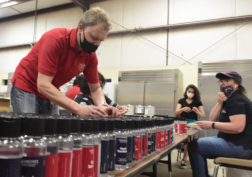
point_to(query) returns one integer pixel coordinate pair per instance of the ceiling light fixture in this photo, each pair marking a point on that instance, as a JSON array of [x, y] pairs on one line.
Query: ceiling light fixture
[[3, 1], [8, 3]]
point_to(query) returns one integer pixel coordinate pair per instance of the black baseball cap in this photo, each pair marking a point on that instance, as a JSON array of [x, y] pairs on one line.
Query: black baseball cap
[[230, 74]]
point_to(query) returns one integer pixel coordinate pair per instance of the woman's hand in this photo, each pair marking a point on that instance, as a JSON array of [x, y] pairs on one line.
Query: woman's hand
[[110, 111], [221, 97], [186, 109], [123, 108], [196, 110], [204, 124]]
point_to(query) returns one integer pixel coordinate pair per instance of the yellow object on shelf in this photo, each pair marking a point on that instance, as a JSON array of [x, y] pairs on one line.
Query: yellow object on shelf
[[5, 104]]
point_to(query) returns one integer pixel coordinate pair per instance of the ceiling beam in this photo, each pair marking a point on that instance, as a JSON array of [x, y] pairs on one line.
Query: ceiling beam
[[85, 4], [40, 11], [245, 18]]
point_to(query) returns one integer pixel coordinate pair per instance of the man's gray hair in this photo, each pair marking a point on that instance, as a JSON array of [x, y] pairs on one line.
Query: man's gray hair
[[96, 16]]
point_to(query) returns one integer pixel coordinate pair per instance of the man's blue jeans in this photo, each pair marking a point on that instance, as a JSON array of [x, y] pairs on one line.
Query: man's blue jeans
[[25, 102], [210, 148]]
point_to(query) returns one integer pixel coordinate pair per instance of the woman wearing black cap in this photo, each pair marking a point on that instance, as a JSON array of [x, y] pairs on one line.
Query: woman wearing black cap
[[232, 117]]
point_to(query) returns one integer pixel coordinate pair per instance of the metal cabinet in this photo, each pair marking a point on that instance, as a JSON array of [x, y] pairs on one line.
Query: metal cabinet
[[158, 88]]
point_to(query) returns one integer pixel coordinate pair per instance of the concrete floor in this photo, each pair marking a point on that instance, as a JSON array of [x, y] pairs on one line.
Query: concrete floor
[[162, 169]]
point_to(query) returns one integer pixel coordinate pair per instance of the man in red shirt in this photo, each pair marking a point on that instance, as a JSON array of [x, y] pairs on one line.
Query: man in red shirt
[[55, 59]]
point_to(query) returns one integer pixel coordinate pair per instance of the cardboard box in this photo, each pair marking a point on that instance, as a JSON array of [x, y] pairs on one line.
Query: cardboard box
[[5, 104]]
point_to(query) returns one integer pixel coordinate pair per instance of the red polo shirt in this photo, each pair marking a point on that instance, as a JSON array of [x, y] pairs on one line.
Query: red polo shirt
[[55, 55]]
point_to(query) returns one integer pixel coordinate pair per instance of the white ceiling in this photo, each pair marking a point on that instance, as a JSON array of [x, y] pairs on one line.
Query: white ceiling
[[29, 6]]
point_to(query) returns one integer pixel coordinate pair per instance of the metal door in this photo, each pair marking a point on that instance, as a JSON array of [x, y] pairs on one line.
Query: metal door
[[162, 95]]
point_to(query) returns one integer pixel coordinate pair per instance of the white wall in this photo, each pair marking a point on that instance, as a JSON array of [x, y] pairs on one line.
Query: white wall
[[203, 43], [20, 31], [148, 49], [10, 58]]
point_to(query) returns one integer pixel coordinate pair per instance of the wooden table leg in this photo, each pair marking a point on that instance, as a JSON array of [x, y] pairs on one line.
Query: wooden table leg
[[154, 170]]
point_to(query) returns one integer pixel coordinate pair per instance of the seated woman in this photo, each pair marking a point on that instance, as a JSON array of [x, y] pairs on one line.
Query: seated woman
[[189, 107], [85, 97], [232, 117]]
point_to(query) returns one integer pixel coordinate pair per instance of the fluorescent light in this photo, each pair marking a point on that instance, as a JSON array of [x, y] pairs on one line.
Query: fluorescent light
[[6, 4], [3, 1]]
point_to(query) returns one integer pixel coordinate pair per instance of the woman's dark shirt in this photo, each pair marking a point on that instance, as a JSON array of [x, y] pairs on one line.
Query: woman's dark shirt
[[189, 115], [235, 105], [81, 99]]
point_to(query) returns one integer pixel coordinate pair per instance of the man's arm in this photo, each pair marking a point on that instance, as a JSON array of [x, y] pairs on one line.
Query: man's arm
[[236, 125], [99, 99], [97, 94], [45, 87]]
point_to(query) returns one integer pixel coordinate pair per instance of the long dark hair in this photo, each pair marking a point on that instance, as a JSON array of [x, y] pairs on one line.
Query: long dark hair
[[196, 96], [242, 90], [77, 80], [84, 87]]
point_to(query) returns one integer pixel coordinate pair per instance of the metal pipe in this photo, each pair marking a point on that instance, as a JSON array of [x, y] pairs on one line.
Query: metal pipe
[[167, 32], [184, 25]]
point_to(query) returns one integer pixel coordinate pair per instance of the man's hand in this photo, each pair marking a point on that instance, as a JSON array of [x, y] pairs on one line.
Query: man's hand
[[91, 111]]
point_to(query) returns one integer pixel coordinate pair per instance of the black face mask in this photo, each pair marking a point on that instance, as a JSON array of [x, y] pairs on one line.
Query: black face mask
[[226, 89], [87, 46]]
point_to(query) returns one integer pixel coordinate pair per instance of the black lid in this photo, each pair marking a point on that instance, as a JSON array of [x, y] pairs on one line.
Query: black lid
[[111, 124], [83, 125], [32, 125], [50, 125], [137, 123], [10, 125], [158, 121], [103, 125], [148, 123], [75, 125], [87, 125], [144, 123], [63, 126], [169, 120], [119, 124], [161, 121], [96, 125], [130, 124]]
